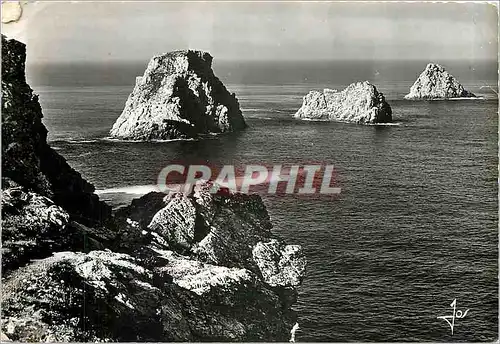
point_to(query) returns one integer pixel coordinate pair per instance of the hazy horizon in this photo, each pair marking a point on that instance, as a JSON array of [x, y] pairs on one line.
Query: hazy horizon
[[263, 72], [264, 31]]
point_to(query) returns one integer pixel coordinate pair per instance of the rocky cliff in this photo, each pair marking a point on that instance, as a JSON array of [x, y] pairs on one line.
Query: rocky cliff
[[198, 267], [436, 83], [27, 159], [178, 97], [359, 103], [201, 267]]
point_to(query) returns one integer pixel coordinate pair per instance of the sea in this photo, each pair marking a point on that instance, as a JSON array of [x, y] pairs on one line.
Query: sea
[[414, 230]]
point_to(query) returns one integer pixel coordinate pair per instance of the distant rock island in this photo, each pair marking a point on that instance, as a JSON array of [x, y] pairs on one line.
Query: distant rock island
[[436, 83], [360, 102], [178, 97]]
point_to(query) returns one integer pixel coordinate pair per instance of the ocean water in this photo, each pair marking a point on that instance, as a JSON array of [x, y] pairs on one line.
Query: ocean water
[[414, 227]]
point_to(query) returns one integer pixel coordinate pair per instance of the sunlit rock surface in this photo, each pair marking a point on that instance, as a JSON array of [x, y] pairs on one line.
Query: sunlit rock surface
[[360, 102], [178, 97], [436, 83]]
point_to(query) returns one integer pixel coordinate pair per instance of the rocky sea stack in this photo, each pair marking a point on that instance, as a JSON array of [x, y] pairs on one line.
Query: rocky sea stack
[[436, 83], [176, 267], [178, 97], [360, 102]]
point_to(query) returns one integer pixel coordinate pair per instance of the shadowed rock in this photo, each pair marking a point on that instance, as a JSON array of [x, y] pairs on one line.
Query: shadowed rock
[[359, 103], [81, 297], [240, 288], [436, 83], [178, 97], [27, 159]]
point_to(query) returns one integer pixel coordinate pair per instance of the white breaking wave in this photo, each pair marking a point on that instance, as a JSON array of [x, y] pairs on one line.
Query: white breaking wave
[[457, 98], [347, 122], [317, 120], [387, 124], [132, 190], [74, 141], [112, 139], [464, 98], [259, 117]]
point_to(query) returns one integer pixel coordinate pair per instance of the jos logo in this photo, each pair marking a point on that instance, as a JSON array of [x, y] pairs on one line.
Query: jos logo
[[457, 314]]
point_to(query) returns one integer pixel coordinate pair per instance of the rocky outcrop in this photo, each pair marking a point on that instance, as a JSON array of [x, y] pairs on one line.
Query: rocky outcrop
[[78, 297], [176, 267], [27, 159], [436, 83], [232, 280], [360, 102], [178, 97], [220, 247], [33, 227]]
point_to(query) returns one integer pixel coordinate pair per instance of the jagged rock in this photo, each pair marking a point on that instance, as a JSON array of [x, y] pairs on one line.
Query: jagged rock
[[222, 245], [200, 277], [107, 296], [436, 83], [33, 227], [255, 311], [178, 97], [154, 293], [27, 159], [72, 297], [175, 223], [360, 102], [231, 230], [280, 265]]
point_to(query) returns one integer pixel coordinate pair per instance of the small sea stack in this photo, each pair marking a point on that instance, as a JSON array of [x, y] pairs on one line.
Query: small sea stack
[[178, 97], [436, 83], [360, 102]]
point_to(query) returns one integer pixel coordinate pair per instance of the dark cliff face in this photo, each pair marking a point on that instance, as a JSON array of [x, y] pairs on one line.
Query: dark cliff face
[[27, 159]]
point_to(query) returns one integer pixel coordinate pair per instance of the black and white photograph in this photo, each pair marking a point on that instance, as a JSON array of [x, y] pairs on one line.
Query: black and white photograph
[[249, 171]]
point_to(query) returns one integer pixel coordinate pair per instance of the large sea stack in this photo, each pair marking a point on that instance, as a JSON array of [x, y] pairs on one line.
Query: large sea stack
[[178, 97], [436, 83], [176, 267], [360, 102]]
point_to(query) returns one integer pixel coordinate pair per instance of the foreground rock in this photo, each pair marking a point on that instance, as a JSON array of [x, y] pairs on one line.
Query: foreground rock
[[358, 103], [198, 267], [178, 97], [436, 83], [225, 230], [213, 274]]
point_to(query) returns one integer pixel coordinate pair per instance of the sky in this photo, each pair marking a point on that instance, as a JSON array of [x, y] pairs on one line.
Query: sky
[[135, 31]]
